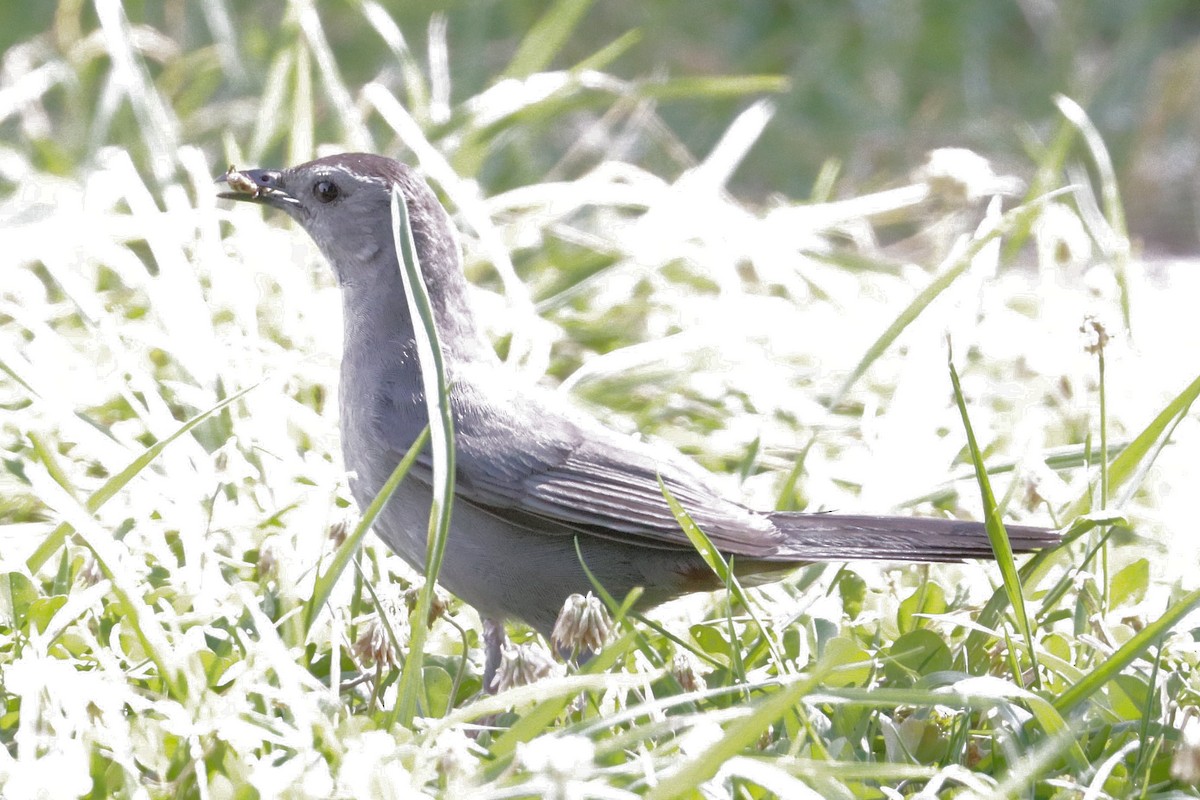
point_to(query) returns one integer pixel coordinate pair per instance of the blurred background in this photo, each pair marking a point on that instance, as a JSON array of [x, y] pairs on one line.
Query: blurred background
[[868, 86]]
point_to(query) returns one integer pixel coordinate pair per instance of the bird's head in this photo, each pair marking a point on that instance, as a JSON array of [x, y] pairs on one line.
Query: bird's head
[[344, 203]]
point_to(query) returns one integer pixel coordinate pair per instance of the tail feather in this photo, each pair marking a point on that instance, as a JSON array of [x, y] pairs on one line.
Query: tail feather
[[837, 537]]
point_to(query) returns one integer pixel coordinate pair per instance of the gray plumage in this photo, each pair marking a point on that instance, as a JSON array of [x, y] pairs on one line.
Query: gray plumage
[[533, 476]]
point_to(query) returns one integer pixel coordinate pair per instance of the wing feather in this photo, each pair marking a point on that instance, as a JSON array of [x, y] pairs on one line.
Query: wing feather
[[537, 466]]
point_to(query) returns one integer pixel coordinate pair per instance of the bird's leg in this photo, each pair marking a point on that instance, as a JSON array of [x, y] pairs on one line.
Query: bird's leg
[[494, 639]]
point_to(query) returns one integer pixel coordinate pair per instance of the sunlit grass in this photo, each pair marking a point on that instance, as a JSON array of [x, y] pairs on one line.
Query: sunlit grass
[[173, 497]]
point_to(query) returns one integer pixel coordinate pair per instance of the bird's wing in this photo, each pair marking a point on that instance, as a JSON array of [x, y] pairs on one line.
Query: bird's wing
[[534, 464], [531, 462], [615, 493]]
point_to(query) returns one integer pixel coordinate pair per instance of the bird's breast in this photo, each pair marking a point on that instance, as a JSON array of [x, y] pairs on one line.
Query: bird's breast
[[382, 412]]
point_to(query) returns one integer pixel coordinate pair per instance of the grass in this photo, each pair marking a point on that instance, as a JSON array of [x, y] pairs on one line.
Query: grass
[[179, 615]]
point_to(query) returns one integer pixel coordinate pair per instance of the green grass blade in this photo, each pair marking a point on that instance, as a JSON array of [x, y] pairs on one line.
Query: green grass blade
[[338, 94], [300, 142], [271, 111], [601, 591], [533, 695], [737, 736], [541, 717], [441, 431], [416, 85], [117, 482], [610, 52], [137, 614], [1131, 463], [1045, 178], [1052, 723], [995, 526], [1116, 245], [46, 455], [716, 562], [546, 38], [325, 582], [1036, 568], [699, 539], [619, 610], [1125, 472], [1035, 764], [713, 87], [10, 372], [958, 262], [1107, 669]]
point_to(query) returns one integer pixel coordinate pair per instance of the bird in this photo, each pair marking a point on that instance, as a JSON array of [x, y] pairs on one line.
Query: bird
[[539, 485]]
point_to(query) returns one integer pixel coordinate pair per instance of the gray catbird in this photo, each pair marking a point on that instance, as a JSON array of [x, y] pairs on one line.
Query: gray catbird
[[533, 476]]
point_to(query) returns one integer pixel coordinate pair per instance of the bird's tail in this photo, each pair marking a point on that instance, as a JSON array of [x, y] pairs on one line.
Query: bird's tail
[[837, 537]]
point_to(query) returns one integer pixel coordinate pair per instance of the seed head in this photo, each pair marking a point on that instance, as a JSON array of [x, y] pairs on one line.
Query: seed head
[[583, 625], [522, 664]]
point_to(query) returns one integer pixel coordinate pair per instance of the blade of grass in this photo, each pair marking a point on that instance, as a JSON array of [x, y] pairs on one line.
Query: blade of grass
[[713, 87], [544, 691], [323, 586], [139, 616], [1133, 461], [114, 484], [716, 562], [787, 500], [1110, 667], [46, 455], [1056, 458], [1048, 172], [441, 431], [415, 84], [10, 372], [994, 525], [1035, 763], [1148, 742], [541, 717], [1103, 397], [1125, 471], [575, 94], [955, 266], [977, 640], [385, 619], [271, 110], [704, 546], [609, 52], [546, 38], [353, 128], [526, 343], [1116, 243], [300, 143], [1053, 724], [619, 612], [695, 769]]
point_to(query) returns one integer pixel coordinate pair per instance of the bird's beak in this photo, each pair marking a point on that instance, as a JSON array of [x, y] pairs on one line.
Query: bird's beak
[[263, 186]]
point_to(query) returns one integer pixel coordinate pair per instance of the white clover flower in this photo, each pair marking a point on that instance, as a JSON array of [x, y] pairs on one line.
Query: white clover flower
[[522, 664], [583, 625], [1185, 765], [374, 646], [958, 175]]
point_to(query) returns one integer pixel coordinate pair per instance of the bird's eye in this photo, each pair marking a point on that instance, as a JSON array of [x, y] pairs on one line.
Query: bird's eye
[[325, 191]]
